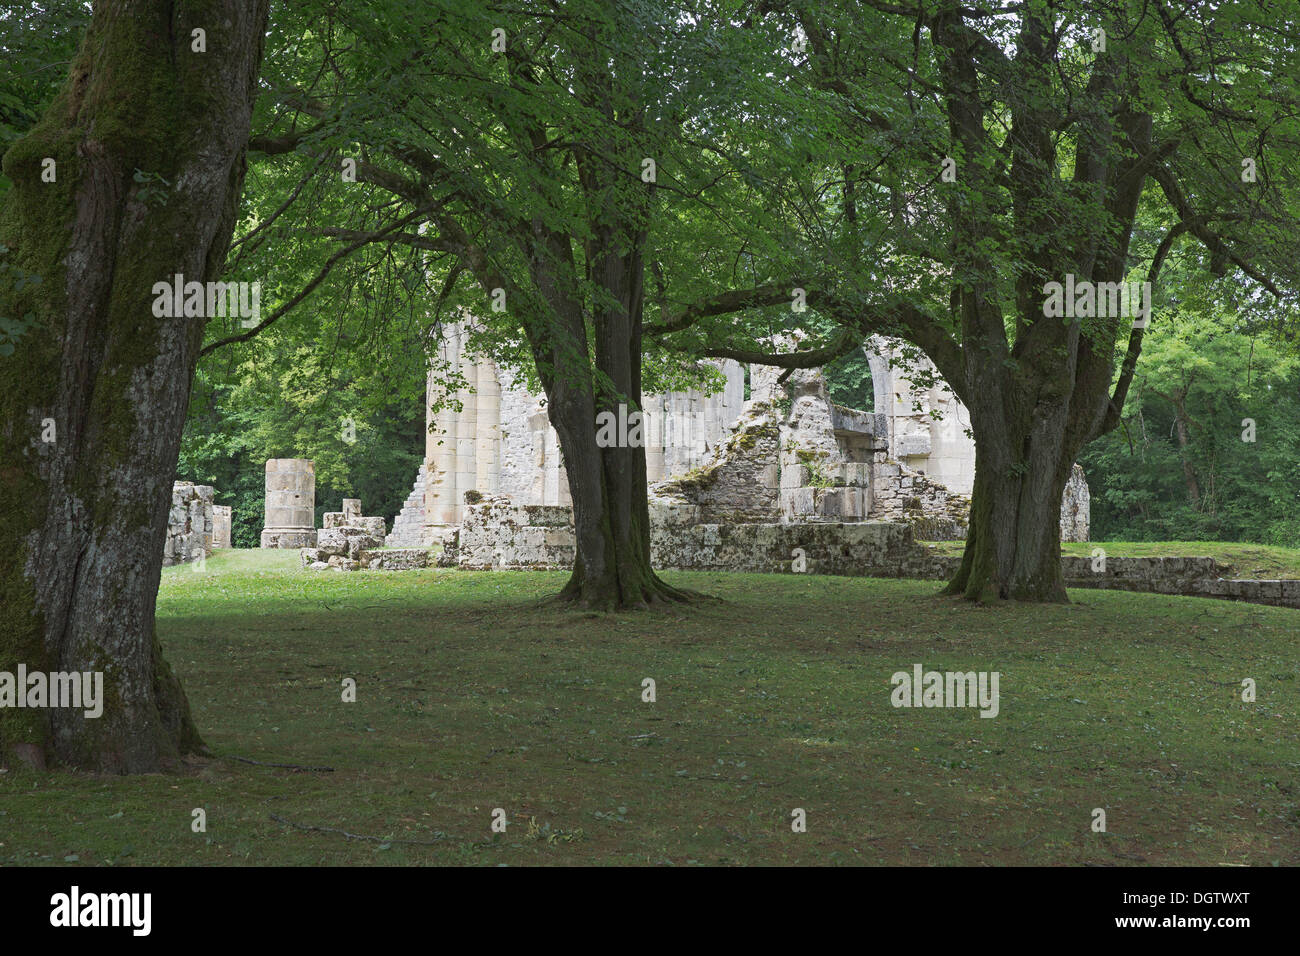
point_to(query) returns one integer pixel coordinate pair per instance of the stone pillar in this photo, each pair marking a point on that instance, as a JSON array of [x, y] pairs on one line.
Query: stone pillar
[[440, 484], [659, 435], [189, 523], [1076, 507], [290, 503], [221, 518], [487, 432], [466, 442]]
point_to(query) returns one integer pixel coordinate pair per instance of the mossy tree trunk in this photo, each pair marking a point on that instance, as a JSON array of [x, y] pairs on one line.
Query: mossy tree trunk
[[608, 485], [1022, 463], [83, 516]]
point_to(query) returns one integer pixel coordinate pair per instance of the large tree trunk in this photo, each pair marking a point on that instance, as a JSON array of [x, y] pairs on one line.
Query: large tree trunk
[[84, 516], [608, 485], [1022, 463]]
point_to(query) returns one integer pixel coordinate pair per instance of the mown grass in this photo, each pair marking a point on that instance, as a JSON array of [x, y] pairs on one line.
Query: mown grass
[[1245, 560], [473, 695]]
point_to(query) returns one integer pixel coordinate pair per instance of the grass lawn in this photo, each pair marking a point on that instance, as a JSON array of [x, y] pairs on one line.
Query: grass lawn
[[775, 695], [1245, 560]]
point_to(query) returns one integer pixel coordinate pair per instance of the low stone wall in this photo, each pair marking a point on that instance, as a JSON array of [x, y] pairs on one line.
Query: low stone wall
[[865, 548], [500, 536], [497, 535], [932, 511], [395, 559], [355, 555], [189, 524], [1277, 593]]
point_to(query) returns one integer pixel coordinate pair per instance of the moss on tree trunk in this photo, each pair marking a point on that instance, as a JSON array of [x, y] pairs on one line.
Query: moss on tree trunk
[[83, 517]]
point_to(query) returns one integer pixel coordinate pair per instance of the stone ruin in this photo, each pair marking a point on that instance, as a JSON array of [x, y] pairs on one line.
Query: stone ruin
[[796, 473], [290, 503], [350, 541], [189, 524], [222, 516], [493, 491], [794, 456], [787, 454], [1076, 506]]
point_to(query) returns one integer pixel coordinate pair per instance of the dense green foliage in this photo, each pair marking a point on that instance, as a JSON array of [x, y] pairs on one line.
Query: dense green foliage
[[278, 410], [837, 185], [1186, 462]]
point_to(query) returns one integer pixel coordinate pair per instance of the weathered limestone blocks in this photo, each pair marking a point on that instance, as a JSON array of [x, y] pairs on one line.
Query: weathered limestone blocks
[[346, 542], [355, 557], [825, 462], [395, 559], [741, 480], [1161, 575], [222, 516], [373, 524], [925, 423], [498, 535], [290, 503], [189, 524], [1076, 507], [347, 535], [871, 548], [934, 512], [408, 526]]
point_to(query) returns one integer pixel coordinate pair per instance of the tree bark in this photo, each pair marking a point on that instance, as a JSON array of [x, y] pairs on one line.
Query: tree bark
[[608, 485], [1023, 458], [84, 516]]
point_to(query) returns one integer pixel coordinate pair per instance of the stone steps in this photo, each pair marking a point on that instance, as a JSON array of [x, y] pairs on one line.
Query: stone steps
[[408, 526]]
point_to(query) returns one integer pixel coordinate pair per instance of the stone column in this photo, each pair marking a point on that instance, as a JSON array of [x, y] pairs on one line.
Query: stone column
[[465, 471], [487, 433], [440, 445], [290, 503], [221, 518]]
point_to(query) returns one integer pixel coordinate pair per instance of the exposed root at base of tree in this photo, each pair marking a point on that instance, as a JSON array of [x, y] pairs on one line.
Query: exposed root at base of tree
[[990, 596], [654, 595]]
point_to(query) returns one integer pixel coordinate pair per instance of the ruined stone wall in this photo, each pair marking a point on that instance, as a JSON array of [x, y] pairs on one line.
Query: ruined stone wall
[[1076, 507], [499, 440], [345, 535], [932, 511], [222, 515], [498, 535], [926, 425], [522, 458], [189, 524], [830, 463], [741, 481]]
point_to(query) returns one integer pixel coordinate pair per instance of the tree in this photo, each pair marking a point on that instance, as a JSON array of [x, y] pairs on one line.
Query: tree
[[1209, 444], [987, 150], [147, 140], [548, 155]]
